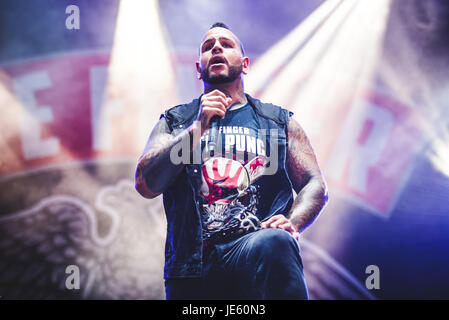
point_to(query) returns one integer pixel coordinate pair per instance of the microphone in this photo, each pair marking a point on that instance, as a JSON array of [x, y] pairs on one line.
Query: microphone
[[213, 134]]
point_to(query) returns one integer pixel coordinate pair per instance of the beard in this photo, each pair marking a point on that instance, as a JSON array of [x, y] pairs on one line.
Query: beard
[[234, 73]]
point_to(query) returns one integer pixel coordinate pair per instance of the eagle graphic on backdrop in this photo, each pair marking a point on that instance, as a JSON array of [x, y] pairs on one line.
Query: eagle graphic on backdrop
[[109, 242], [124, 261]]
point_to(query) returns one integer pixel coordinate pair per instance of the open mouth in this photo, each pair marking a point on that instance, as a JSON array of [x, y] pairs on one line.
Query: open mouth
[[217, 60]]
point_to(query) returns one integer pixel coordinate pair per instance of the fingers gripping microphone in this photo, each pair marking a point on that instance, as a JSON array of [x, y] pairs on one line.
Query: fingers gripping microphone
[[213, 134]]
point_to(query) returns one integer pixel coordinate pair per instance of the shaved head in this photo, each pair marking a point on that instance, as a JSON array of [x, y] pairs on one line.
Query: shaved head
[[221, 56], [224, 26]]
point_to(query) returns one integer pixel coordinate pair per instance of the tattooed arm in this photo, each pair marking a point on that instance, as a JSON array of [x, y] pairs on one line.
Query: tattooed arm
[[306, 178], [155, 171], [307, 181]]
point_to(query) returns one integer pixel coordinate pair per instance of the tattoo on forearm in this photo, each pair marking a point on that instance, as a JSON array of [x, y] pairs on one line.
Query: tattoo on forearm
[[308, 204], [306, 178], [155, 171]]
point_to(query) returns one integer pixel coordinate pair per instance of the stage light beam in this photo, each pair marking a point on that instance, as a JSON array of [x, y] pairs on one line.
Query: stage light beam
[[141, 76]]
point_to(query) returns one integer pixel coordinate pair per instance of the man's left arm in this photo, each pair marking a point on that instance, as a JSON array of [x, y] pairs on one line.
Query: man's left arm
[[307, 181]]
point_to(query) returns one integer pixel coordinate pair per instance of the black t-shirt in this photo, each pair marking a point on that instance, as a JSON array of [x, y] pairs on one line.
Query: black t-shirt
[[237, 163]]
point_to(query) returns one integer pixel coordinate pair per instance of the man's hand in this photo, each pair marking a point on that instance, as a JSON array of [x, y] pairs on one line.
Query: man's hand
[[212, 104], [281, 222], [155, 171]]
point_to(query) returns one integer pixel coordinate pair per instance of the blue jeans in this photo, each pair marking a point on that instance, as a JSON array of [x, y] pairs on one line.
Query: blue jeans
[[265, 264]]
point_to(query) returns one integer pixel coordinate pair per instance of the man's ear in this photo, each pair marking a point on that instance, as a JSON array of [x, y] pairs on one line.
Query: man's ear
[[245, 65], [198, 69]]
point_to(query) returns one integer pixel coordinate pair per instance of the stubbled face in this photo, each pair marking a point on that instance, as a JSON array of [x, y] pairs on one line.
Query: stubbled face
[[221, 58]]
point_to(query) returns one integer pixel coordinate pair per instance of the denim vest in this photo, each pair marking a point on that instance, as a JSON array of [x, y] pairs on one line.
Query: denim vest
[[183, 247]]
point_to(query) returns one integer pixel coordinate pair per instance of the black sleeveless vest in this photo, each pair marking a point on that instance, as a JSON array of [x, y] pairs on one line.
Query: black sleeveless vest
[[183, 247]]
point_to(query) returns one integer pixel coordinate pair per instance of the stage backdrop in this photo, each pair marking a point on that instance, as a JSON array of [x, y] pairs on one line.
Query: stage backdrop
[[83, 82]]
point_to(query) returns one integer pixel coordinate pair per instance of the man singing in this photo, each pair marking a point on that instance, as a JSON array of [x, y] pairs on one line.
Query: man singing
[[232, 221]]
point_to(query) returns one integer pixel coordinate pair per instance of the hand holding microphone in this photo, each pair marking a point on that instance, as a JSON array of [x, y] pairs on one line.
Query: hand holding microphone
[[213, 107]]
